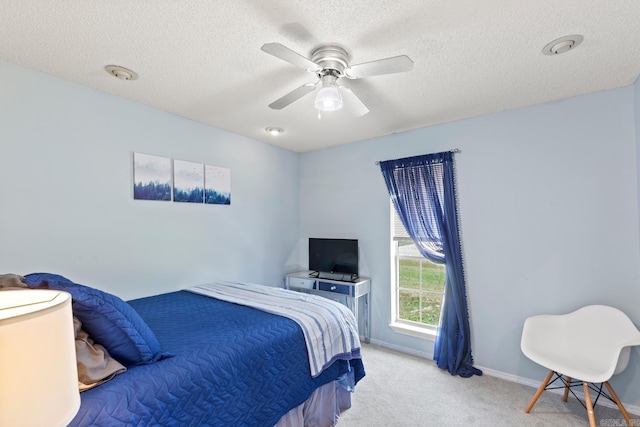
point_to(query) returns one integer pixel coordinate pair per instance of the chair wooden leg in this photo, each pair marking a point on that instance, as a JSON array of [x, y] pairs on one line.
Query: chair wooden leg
[[614, 396], [566, 390], [539, 392], [587, 399]]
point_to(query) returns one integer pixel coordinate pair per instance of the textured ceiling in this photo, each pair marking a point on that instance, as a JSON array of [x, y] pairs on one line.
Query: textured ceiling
[[201, 59]]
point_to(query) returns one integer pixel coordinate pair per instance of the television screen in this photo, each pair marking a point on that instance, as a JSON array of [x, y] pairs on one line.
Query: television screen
[[333, 256]]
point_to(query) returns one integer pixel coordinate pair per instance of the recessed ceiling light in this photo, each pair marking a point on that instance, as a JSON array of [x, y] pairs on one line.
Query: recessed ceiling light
[[563, 44], [121, 72], [275, 131]]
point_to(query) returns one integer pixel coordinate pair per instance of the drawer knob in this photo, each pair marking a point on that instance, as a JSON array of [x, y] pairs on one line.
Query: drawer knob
[[333, 288]]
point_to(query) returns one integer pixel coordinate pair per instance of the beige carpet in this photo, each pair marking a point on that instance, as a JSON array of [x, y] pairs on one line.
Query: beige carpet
[[403, 390]]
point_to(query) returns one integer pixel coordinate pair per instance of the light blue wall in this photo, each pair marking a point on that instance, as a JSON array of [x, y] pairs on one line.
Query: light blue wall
[[548, 211], [66, 193]]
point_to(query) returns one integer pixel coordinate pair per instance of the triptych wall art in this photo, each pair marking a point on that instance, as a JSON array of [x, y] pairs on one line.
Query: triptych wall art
[[162, 178]]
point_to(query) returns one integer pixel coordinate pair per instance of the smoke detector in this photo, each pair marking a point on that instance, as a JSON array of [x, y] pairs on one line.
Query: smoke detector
[[121, 72], [563, 44]]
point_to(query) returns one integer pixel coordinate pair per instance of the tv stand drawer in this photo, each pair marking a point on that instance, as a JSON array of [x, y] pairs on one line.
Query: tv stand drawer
[[335, 287], [300, 283]]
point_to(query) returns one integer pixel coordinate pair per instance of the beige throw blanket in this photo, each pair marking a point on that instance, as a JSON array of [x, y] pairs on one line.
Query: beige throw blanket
[[95, 365], [12, 281]]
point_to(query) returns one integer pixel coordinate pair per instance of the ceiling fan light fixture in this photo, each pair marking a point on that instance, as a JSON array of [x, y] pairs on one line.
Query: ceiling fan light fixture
[[328, 97]]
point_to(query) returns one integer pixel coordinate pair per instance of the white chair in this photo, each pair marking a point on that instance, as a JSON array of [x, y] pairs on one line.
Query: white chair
[[586, 347]]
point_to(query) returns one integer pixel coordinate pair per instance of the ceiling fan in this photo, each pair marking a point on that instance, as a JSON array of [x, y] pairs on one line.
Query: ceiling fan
[[330, 63]]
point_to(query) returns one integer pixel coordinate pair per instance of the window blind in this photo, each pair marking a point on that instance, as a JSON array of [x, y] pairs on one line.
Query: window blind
[[399, 232]]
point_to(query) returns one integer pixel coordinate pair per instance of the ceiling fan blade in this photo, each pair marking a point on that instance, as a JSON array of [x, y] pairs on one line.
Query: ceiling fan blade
[[353, 103], [286, 54], [292, 96], [395, 64]]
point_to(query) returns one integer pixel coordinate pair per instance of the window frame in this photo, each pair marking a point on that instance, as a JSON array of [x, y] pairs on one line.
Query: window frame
[[404, 326]]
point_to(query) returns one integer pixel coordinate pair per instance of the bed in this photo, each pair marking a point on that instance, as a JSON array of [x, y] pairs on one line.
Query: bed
[[194, 360]]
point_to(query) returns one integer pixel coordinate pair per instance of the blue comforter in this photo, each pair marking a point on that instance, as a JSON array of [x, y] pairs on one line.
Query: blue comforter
[[231, 366]]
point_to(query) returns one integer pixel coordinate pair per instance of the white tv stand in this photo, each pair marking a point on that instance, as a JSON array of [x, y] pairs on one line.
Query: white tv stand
[[345, 292]]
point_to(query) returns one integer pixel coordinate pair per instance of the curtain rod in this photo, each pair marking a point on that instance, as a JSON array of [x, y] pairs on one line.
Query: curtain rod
[[453, 150]]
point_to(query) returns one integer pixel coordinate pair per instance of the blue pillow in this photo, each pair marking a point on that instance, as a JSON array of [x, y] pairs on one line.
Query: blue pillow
[[107, 319]]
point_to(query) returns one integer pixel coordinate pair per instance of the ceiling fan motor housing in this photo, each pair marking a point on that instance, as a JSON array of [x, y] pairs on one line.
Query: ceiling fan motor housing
[[333, 60]]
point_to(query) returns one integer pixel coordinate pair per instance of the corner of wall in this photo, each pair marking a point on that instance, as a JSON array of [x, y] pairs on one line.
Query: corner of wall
[[636, 116]]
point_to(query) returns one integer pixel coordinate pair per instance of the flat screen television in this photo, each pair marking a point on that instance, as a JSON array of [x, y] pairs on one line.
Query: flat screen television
[[338, 256]]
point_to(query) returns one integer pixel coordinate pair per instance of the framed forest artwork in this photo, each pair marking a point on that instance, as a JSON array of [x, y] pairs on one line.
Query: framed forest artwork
[[151, 177], [188, 182], [217, 185]]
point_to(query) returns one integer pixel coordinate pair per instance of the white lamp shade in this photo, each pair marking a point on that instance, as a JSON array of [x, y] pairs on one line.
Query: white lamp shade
[[328, 98], [38, 371]]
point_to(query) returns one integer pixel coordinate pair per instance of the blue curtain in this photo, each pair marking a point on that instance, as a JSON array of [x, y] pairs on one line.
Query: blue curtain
[[423, 192]]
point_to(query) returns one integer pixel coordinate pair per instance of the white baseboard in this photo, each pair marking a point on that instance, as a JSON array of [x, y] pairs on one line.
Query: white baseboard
[[631, 409], [407, 350]]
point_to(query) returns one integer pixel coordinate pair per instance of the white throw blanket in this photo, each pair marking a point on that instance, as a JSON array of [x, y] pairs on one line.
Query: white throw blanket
[[329, 328]]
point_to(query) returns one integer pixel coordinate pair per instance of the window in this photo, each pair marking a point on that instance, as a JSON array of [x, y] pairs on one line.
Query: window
[[419, 285]]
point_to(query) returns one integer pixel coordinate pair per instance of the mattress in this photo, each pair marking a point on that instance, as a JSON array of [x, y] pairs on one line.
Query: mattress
[[227, 365]]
